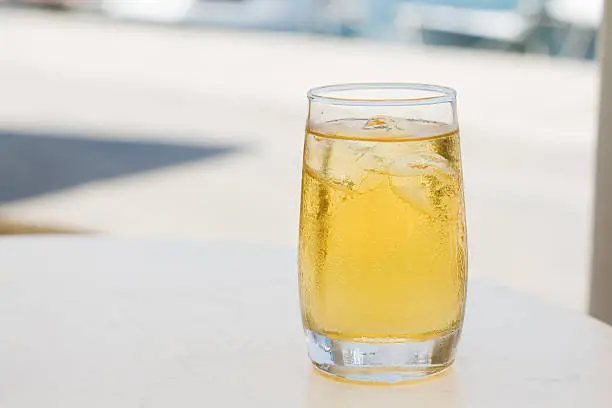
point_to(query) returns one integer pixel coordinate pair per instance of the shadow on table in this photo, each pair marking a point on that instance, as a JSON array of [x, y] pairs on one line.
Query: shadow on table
[[35, 164]]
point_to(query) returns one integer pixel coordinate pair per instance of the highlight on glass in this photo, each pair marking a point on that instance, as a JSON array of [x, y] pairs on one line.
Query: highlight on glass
[[382, 247]]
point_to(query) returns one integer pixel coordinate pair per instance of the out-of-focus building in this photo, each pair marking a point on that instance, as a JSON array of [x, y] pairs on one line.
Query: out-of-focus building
[[555, 27]]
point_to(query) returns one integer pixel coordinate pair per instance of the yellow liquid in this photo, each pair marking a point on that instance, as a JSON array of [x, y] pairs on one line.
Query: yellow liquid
[[382, 252]]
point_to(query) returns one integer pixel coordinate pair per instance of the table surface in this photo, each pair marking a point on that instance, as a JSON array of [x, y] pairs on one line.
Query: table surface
[[96, 322]]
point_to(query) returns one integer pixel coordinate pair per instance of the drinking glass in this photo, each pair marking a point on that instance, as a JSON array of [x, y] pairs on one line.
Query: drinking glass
[[382, 249]]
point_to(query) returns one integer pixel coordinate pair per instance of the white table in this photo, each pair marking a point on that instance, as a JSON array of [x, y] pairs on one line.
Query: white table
[[95, 322]]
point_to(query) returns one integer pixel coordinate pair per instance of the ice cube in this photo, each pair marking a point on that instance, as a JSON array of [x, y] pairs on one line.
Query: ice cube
[[412, 190], [381, 122], [419, 162], [423, 180], [343, 164]]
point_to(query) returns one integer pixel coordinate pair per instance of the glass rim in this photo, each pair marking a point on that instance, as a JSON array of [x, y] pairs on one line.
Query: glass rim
[[440, 94]]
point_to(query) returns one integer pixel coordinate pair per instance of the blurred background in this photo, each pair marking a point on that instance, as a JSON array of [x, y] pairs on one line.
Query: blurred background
[[183, 119]]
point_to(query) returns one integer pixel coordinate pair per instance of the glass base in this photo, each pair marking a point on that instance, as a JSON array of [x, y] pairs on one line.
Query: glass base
[[388, 362]]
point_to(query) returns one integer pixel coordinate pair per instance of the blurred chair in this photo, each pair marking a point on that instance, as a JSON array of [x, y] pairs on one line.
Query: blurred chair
[[508, 22], [581, 19]]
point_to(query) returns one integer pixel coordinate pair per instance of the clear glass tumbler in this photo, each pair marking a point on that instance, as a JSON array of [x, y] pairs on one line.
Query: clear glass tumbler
[[382, 251]]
